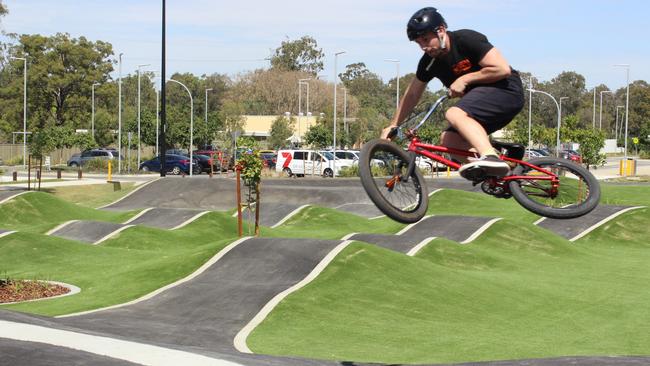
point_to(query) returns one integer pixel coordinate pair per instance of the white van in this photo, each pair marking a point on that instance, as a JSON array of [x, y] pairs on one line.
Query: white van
[[307, 162]]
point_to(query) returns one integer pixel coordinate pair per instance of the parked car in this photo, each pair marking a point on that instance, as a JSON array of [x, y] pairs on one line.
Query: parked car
[[221, 158], [80, 159], [572, 155], [533, 153], [175, 164], [269, 158]]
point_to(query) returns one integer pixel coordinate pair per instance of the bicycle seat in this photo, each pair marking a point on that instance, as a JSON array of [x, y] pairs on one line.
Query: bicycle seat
[[512, 150]]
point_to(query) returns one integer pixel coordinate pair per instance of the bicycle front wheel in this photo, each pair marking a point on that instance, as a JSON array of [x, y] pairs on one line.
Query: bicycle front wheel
[[383, 167], [574, 193]]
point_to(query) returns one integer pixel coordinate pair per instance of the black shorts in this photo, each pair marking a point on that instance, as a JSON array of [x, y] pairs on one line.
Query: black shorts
[[494, 105]]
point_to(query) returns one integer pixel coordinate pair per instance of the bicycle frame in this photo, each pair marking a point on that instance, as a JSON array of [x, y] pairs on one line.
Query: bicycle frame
[[433, 152]]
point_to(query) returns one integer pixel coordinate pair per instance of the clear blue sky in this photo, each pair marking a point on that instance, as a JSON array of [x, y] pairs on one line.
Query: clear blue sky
[[544, 37]]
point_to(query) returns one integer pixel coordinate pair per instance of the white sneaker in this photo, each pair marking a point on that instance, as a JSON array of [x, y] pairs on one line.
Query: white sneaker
[[488, 165]]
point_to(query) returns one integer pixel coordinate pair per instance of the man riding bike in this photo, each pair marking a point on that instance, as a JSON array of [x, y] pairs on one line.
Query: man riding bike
[[490, 91]]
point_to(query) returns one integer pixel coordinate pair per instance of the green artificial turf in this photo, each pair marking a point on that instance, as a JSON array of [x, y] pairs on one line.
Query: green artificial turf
[[38, 212], [516, 292], [138, 261]]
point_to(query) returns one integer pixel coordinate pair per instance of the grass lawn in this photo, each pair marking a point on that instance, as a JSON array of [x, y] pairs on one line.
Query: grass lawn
[[38, 212], [91, 195]]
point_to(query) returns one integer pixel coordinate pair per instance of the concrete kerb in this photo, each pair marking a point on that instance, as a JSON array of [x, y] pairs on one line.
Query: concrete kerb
[[14, 196], [73, 290]]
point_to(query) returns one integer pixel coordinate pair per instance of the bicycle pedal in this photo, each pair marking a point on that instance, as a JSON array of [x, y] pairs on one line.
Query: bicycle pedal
[[475, 174]]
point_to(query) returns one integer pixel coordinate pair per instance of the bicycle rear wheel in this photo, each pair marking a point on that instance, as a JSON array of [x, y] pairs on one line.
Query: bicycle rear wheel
[[383, 167], [575, 193]]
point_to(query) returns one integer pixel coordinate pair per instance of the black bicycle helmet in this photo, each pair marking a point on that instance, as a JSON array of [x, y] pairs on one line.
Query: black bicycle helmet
[[423, 21]]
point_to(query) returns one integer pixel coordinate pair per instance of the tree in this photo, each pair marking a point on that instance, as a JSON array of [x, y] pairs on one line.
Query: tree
[[281, 130], [319, 136], [3, 10], [61, 73], [299, 55]]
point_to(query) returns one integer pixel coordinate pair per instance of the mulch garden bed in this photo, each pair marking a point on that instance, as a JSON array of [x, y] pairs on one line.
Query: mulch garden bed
[[23, 290]]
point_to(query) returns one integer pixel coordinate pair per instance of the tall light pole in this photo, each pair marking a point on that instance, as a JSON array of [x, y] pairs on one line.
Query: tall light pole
[[627, 110], [560, 101], [397, 80], [593, 118], [191, 119], [600, 120], [139, 148], [300, 83], [616, 127], [206, 108], [345, 110], [559, 120], [92, 118], [336, 78], [24, 108], [119, 116]]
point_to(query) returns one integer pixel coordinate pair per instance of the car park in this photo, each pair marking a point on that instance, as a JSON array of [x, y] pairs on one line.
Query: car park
[[533, 153], [80, 159], [221, 158], [175, 164]]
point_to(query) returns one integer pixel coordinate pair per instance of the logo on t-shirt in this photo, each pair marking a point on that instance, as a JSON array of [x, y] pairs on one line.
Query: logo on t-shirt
[[462, 67]]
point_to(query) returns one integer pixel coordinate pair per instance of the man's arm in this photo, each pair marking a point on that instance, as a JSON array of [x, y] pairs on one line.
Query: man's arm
[[494, 68], [408, 102]]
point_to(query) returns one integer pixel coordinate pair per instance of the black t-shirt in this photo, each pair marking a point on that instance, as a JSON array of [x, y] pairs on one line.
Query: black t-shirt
[[468, 48]]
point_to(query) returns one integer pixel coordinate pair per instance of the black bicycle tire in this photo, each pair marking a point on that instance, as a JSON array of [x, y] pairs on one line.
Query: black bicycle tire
[[376, 197], [558, 213]]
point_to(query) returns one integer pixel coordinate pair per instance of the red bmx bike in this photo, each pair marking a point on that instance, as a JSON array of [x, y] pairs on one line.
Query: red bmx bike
[[548, 186]]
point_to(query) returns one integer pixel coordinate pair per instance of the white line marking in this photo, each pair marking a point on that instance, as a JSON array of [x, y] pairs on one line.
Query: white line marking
[[59, 227], [190, 220], [139, 353], [416, 249], [410, 226], [480, 231], [435, 191], [603, 221], [114, 233], [132, 192], [377, 217], [240, 338], [150, 295], [6, 233], [347, 237], [294, 212], [539, 221], [138, 215], [14, 196]]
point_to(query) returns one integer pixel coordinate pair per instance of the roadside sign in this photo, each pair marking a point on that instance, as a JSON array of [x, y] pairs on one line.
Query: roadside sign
[[635, 140]]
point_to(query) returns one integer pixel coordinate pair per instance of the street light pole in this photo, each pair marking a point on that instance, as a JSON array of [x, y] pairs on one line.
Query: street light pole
[[206, 108], [139, 148], [593, 118], [560, 101], [627, 110], [397, 81], [345, 110], [24, 59], [119, 115], [530, 110], [191, 120], [92, 118], [600, 120], [559, 119], [336, 77], [300, 83], [616, 127]]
